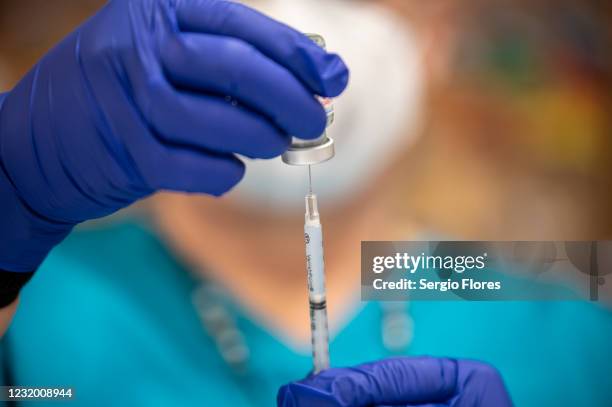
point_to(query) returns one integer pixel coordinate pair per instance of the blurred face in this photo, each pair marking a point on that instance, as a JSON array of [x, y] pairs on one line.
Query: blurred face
[[375, 120], [250, 241]]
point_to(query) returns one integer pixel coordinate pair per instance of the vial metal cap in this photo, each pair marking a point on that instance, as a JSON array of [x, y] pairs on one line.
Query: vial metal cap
[[318, 153], [311, 152]]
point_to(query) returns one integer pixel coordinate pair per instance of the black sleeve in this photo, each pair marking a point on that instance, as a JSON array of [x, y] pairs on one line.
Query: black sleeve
[[11, 284]]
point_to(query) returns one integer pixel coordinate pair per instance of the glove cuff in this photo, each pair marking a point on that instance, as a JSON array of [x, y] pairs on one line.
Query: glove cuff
[[10, 285], [25, 237]]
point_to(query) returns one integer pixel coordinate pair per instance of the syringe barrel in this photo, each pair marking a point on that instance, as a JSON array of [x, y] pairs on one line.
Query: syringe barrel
[[313, 234], [320, 338]]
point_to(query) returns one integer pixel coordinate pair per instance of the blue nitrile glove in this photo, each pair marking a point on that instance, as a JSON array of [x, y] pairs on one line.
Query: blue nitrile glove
[[149, 95], [422, 382]]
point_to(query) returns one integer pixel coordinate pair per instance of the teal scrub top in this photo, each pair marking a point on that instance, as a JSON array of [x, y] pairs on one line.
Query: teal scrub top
[[110, 313]]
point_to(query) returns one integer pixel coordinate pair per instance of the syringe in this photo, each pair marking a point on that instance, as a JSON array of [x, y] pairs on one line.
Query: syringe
[[313, 235], [308, 153]]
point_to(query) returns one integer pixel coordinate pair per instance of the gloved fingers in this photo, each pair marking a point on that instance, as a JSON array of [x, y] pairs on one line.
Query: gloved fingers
[[228, 66], [409, 380], [324, 73], [193, 119], [212, 123], [480, 385], [195, 171], [398, 381]]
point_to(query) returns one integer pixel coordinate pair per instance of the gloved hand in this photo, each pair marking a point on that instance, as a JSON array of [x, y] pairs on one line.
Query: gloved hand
[[422, 382], [150, 95]]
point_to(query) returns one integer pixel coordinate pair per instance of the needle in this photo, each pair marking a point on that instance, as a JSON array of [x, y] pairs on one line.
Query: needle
[[310, 179]]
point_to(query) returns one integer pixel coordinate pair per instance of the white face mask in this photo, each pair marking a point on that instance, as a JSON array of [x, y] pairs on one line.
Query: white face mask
[[375, 118]]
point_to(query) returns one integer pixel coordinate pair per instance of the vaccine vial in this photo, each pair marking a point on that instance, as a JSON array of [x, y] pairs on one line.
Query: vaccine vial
[[319, 150]]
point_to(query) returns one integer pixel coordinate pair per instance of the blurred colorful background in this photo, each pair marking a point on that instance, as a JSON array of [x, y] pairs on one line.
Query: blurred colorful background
[[519, 124]]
